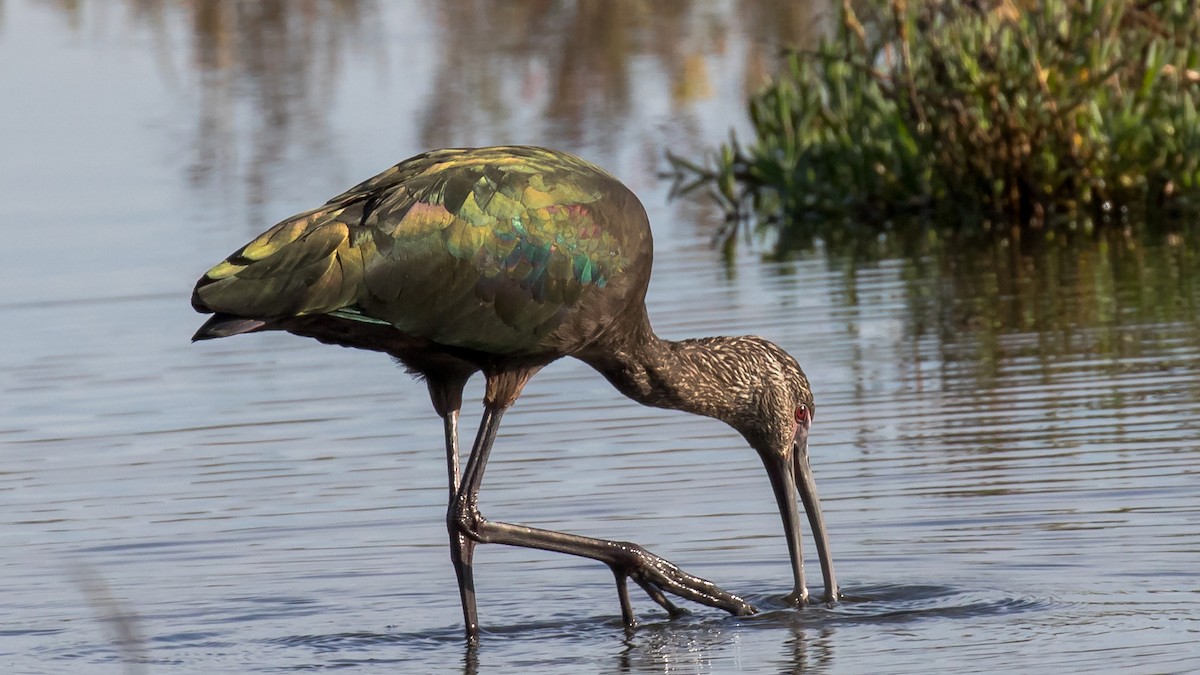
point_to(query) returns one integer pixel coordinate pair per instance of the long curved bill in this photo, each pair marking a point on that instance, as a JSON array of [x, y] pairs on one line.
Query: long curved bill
[[816, 519], [786, 474]]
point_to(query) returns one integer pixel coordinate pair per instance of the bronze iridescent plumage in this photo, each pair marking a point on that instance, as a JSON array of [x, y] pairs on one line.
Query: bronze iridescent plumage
[[501, 260]]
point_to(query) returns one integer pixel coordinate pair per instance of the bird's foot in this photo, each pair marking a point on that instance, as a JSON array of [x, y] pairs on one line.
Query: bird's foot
[[797, 598], [658, 577], [655, 575], [803, 598]]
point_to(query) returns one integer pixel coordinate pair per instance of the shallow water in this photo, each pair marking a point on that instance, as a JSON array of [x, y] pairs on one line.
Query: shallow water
[[1006, 444]]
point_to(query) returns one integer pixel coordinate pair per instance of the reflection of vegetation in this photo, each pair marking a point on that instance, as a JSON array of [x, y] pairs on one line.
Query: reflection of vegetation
[[504, 64], [1054, 114], [267, 66], [1108, 297], [268, 73]]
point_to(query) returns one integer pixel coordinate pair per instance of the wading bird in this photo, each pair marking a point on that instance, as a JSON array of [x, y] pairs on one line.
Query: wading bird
[[502, 260]]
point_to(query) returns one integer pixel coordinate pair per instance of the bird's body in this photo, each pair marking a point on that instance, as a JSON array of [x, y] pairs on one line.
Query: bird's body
[[508, 252], [502, 260]]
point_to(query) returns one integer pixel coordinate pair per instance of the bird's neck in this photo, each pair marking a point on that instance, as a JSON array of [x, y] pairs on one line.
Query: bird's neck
[[704, 376]]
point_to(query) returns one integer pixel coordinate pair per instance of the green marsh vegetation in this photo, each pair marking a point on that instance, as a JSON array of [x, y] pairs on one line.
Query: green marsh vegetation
[[1033, 166], [949, 119]]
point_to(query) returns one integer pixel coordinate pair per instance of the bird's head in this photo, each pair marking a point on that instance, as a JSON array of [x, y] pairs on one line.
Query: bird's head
[[776, 423], [758, 389]]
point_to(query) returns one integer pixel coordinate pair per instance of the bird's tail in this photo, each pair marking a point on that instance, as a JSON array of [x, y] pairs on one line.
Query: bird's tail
[[223, 325], [307, 264]]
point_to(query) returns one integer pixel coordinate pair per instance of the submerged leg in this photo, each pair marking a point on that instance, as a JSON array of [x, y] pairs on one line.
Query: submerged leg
[[462, 548], [627, 560], [446, 395]]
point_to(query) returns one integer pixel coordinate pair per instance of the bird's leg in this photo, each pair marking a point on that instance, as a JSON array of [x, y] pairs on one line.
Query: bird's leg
[[450, 428], [463, 511], [446, 394], [462, 548], [652, 573]]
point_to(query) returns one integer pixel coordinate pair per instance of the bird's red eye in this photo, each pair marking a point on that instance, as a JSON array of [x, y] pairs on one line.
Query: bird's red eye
[[803, 416]]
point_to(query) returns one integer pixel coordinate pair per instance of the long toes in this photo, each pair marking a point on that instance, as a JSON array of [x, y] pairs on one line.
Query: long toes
[[684, 585], [657, 596], [627, 615], [658, 576]]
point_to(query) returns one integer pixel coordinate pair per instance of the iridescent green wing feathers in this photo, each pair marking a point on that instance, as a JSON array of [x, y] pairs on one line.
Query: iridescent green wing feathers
[[483, 248]]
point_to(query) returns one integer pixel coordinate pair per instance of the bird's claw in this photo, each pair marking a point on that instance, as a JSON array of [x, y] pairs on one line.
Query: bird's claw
[[658, 576]]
